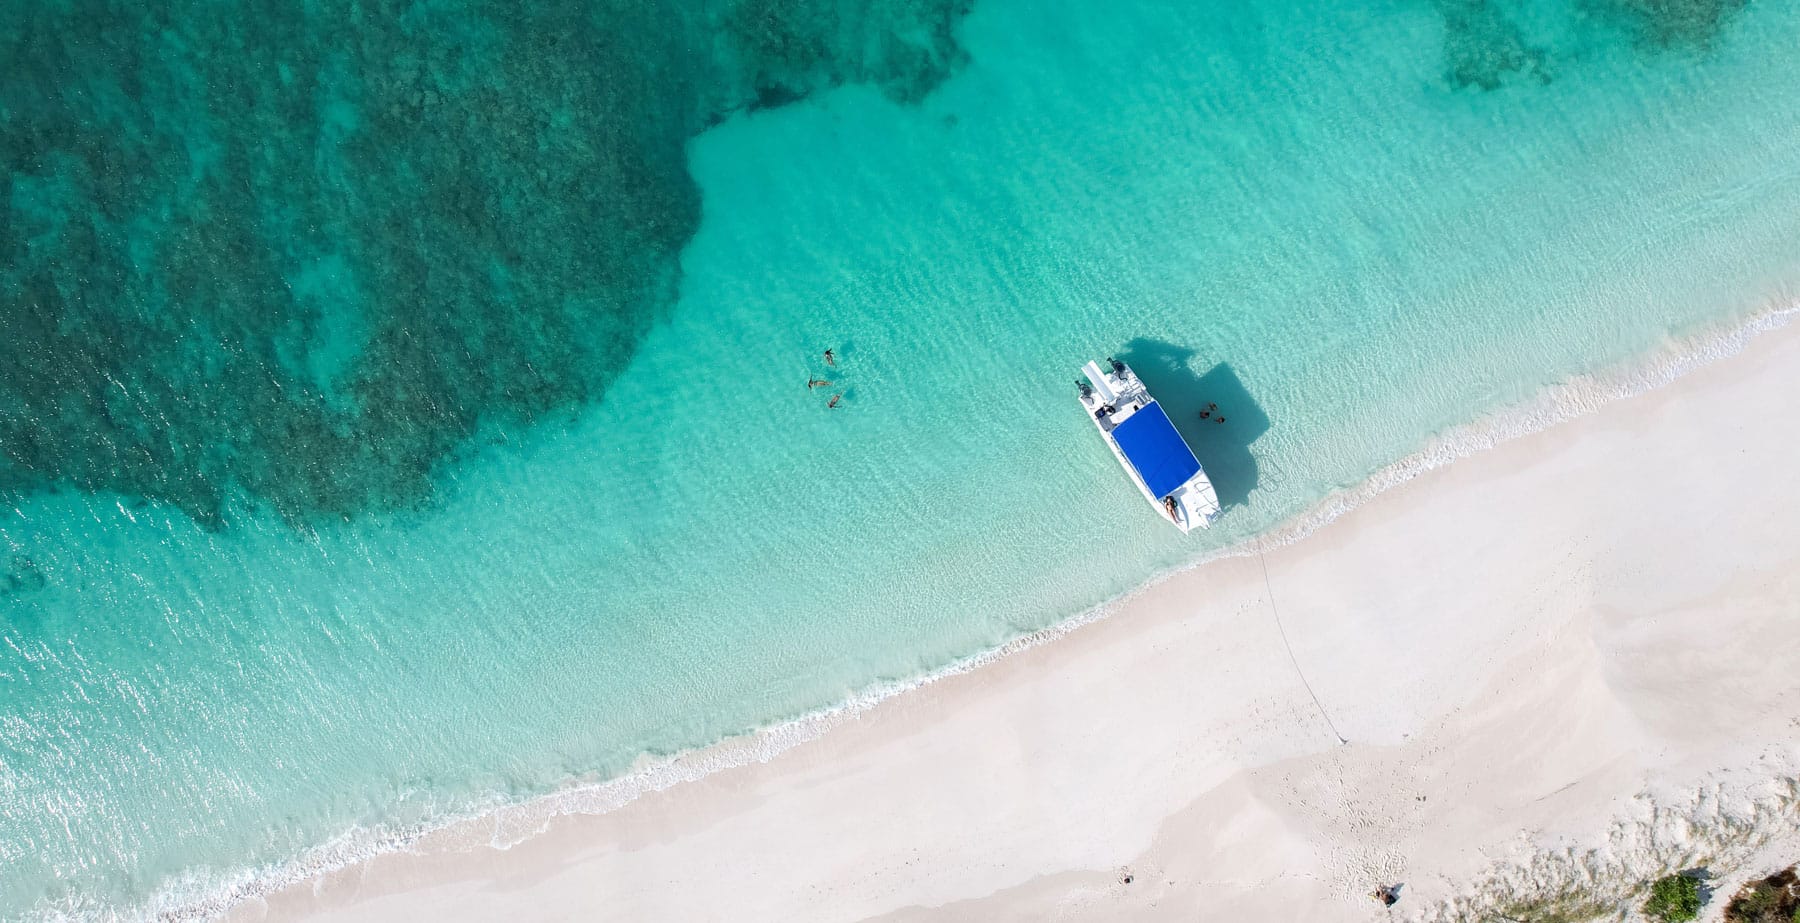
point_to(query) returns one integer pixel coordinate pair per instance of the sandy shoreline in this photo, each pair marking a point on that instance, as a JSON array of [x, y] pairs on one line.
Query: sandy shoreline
[[1543, 647]]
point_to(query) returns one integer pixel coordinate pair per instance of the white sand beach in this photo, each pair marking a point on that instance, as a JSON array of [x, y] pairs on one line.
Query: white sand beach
[[1568, 661]]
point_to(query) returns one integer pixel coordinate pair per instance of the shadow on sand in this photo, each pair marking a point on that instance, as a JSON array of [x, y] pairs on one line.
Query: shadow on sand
[[1223, 448]]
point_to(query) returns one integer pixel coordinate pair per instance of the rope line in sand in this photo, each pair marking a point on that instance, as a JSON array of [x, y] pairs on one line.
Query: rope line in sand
[[1270, 587]]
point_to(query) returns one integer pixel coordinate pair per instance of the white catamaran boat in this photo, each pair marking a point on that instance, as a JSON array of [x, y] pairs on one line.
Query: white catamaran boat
[[1146, 443]]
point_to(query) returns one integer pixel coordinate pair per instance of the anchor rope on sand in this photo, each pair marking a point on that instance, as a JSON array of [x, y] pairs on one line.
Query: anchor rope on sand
[[1273, 610]]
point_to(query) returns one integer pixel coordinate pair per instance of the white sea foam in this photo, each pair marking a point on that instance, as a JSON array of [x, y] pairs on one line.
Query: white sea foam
[[1558, 403], [503, 824]]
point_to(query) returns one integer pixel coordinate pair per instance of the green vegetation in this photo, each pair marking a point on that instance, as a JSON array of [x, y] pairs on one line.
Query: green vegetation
[[1775, 899], [1569, 907], [1673, 899]]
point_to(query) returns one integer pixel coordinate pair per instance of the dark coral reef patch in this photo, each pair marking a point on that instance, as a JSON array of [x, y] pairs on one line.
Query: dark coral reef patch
[[1482, 46], [1487, 48], [1672, 24], [297, 256]]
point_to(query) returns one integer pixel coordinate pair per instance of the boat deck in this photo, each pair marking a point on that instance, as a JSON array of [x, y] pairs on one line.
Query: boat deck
[[1147, 444]]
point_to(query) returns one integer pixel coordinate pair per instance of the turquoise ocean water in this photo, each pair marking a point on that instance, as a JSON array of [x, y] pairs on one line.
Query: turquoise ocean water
[[403, 408]]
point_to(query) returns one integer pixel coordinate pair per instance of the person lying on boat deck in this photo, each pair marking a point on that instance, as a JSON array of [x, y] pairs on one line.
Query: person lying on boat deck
[[1169, 504]]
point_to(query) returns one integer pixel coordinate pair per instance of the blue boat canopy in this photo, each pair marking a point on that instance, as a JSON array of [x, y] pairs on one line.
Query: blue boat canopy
[[1156, 450]]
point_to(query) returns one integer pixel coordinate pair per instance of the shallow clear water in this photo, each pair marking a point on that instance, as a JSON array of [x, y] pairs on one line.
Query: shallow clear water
[[383, 446]]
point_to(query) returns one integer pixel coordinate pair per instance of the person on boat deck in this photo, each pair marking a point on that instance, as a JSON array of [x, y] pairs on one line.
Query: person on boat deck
[[1169, 504]]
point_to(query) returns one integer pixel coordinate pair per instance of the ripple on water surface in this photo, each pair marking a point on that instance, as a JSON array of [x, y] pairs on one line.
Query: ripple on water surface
[[406, 411]]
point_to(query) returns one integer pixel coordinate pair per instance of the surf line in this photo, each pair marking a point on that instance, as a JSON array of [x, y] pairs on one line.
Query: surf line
[[1290, 651]]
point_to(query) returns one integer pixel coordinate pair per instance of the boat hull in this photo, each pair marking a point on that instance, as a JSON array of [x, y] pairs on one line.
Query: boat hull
[[1177, 487]]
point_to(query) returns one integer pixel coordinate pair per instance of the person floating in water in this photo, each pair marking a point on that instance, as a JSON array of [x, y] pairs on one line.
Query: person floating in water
[[830, 359], [817, 383], [1205, 413], [1219, 419], [832, 404], [1212, 407]]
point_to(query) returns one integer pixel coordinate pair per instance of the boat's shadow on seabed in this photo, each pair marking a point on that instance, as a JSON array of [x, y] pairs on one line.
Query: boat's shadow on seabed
[[1223, 449]]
